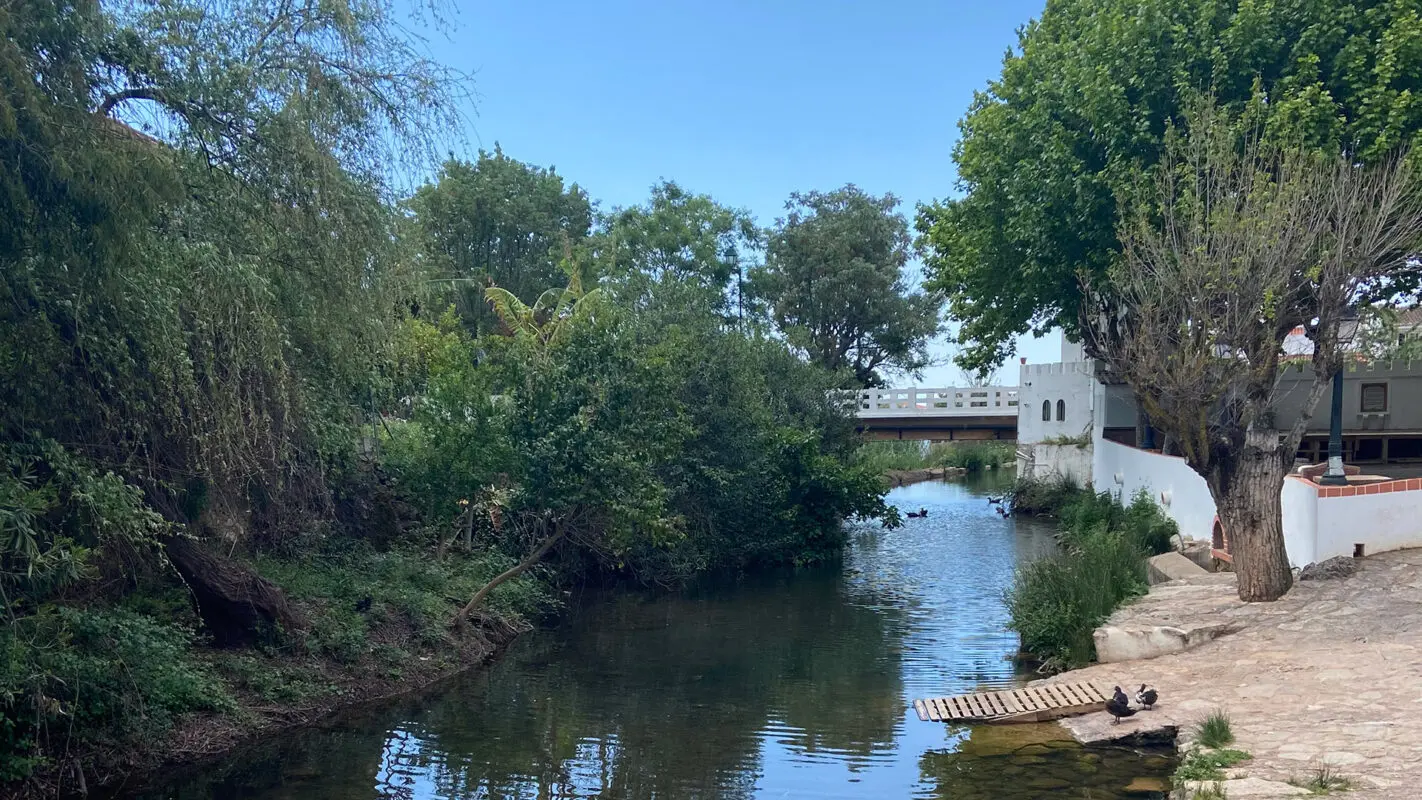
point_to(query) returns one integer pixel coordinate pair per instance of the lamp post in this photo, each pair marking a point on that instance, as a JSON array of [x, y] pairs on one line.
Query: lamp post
[[1334, 475]]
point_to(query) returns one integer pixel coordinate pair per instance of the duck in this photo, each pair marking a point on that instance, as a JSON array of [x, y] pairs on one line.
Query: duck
[[1119, 707], [1146, 697], [994, 501], [921, 512], [1003, 512]]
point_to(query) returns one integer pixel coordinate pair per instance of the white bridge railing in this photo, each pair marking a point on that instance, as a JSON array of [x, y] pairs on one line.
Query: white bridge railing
[[973, 401]]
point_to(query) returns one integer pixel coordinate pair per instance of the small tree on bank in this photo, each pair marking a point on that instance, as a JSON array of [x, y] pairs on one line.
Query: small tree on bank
[[1239, 244]]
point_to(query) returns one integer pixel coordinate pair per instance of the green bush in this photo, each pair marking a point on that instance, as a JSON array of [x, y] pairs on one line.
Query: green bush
[[908, 455], [69, 677], [1042, 497], [1214, 730], [1056, 603], [884, 457]]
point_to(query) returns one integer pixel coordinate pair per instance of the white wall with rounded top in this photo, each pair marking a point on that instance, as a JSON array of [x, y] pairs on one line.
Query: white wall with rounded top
[[1186, 498]]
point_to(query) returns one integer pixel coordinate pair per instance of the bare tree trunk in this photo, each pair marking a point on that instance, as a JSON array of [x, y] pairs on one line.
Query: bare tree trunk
[[513, 572], [1252, 515]]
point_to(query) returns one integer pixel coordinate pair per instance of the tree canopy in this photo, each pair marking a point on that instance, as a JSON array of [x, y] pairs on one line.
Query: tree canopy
[[835, 285], [1245, 242], [498, 221], [1083, 102]]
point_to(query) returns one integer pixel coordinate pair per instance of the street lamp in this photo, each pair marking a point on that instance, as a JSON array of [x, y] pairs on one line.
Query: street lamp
[[1334, 475]]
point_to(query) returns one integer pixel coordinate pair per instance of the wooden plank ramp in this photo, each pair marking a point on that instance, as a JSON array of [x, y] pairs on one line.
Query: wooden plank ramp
[[1027, 704]]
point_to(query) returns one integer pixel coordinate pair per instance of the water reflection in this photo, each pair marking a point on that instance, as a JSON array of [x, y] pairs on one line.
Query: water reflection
[[784, 686]]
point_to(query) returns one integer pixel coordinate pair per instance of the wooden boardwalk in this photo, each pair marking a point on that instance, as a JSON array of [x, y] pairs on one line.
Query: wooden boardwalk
[[1028, 704]]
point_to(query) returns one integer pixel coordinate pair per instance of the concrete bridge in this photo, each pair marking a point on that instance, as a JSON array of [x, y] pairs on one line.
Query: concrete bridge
[[939, 414]]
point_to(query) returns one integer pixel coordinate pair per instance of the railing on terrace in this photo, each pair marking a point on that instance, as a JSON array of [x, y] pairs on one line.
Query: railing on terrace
[[975, 401]]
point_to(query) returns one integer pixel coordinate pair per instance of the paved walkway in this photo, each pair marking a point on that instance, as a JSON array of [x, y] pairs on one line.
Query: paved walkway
[[1332, 673]]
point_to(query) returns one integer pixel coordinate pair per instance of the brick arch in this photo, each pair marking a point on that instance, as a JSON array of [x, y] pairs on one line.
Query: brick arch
[[1219, 540]]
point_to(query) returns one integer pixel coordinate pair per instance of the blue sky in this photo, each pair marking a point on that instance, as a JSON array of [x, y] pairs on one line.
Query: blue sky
[[744, 101]]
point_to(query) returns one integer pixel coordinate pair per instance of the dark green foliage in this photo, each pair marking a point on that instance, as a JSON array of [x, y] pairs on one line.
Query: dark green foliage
[[406, 589], [1057, 602], [1043, 497], [107, 677], [834, 283], [502, 222], [1050, 147], [976, 456]]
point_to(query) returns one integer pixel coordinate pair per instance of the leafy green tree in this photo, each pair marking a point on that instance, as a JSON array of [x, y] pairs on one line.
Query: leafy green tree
[[1244, 243], [1050, 147], [835, 285], [679, 250], [501, 222]]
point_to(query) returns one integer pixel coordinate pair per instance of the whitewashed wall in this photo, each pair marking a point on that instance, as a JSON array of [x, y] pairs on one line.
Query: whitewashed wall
[[1300, 502], [1316, 527], [1379, 520], [1179, 490], [1050, 461], [1072, 383]]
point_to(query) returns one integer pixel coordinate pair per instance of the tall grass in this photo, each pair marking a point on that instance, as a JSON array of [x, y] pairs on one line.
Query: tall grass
[[1056, 603], [1214, 731], [971, 456]]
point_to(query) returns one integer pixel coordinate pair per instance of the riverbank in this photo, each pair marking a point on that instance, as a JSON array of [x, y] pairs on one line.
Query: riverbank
[[903, 477], [376, 625], [1323, 678]]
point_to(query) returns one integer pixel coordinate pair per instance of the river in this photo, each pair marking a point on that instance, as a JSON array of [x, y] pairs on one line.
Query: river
[[783, 686]]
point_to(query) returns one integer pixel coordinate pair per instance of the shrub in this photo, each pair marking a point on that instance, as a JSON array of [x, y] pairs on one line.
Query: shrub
[[1208, 765], [1042, 497], [1055, 603], [1323, 779], [884, 457], [72, 676], [1214, 731], [404, 586]]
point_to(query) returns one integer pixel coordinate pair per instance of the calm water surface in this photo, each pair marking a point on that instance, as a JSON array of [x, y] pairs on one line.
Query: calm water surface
[[791, 686]]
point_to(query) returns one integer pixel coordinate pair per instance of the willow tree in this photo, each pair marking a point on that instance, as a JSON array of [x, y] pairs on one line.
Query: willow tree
[[1237, 244], [199, 257]]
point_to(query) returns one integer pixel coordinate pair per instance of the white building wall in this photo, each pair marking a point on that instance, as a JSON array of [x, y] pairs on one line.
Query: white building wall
[[1179, 490], [1071, 384], [1315, 528], [1051, 461], [1379, 522], [1300, 502]]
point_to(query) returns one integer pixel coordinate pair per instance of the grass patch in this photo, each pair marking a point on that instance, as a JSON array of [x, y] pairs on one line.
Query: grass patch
[[352, 593], [1208, 765], [1323, 779], [1056, 603], [976, 456], [1214, 731]]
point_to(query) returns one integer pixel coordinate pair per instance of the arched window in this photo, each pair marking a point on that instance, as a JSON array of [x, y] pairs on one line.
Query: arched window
[[1061, 410], [1046, 410]]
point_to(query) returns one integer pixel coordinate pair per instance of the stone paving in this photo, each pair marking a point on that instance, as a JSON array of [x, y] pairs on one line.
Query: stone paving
[[1331, 674]]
